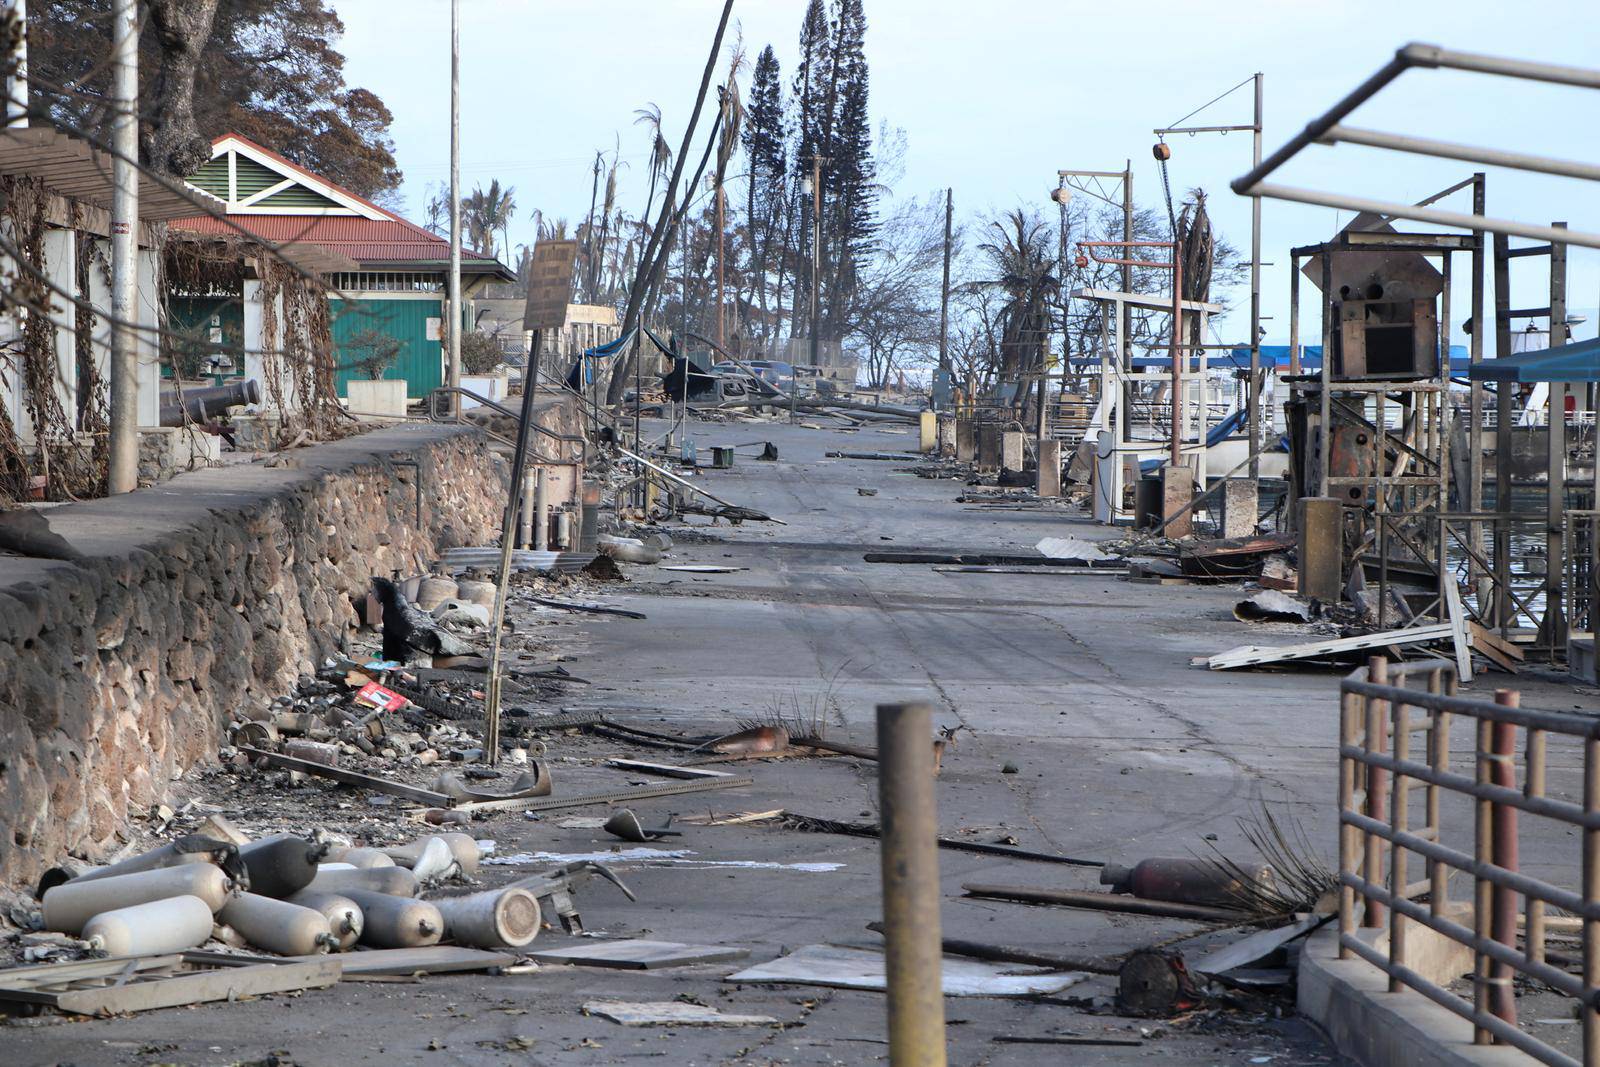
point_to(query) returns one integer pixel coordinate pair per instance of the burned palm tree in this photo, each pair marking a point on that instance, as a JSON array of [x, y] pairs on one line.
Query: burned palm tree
[[1024, 275]]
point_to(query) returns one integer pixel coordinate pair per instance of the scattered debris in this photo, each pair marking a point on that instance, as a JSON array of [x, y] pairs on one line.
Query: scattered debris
[[670, 1013], [1270, 605], [637, 955], [855, 968], [1105, 902]]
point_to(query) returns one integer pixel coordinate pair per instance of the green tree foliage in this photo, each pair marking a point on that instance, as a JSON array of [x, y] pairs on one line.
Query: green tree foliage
[[269, 70]]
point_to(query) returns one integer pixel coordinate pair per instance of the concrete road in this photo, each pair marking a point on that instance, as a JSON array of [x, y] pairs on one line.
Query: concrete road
[[1121, 749]]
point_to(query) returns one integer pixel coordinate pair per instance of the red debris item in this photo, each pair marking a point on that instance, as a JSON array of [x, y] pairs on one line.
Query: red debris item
[[376, 696]]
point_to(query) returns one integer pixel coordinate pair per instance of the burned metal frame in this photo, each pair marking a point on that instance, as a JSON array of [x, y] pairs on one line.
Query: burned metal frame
[[1327, 129], [1423, 435], [1376, 780]]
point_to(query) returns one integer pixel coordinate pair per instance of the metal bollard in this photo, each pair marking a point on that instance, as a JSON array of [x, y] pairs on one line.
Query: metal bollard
[[1504, 854], [910, 858]]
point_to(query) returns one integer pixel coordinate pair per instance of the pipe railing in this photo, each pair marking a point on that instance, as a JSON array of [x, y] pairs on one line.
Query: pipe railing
[[1378, 774], [564, 438]]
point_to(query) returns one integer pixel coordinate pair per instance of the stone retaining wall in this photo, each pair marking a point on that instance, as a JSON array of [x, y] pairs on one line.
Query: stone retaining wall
[[204, 595]]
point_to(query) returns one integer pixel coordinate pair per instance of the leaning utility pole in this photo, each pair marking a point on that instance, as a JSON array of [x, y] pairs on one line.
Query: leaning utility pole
[[453, 326], [122, 475], [944, 293]]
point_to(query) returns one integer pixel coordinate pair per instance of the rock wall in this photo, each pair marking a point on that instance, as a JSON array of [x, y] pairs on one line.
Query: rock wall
[[204, 595]]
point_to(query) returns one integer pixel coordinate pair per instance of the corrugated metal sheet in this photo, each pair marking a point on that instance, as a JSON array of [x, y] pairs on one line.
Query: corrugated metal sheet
[[420, 362]]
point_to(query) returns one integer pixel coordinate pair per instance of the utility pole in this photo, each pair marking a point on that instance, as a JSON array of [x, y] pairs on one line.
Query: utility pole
[[453, 327], [722, 336], [17, 81], [1253, 393], [817, 160], [944, 295], [122, 474]]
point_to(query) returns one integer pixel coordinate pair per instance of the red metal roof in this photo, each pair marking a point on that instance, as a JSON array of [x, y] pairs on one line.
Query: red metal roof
[[371, 242], [363, 240]]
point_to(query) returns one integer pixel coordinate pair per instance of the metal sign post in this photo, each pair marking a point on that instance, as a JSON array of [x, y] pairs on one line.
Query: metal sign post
[[549, 289]]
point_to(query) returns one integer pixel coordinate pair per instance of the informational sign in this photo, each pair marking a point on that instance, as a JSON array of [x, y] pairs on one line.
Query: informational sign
[[550, 285], [435, 328]]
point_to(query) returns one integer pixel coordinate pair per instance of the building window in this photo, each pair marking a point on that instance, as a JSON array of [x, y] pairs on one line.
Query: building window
[[370, 281]]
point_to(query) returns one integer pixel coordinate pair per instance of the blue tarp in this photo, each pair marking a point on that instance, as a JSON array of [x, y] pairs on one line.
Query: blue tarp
[[1576, 362]]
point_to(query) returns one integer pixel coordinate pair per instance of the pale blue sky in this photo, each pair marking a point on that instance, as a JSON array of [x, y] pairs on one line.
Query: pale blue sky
[[996, 96]]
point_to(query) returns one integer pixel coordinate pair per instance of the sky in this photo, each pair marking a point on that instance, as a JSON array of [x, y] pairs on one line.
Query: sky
[[996, 96]]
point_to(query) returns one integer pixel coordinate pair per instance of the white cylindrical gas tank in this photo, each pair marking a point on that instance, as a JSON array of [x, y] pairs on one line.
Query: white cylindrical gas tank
[[502, 918], [67, 907], [396, 922], [361, 857], [170, 925], [395, 881], [462, 846], [343, 915], [277, 925]]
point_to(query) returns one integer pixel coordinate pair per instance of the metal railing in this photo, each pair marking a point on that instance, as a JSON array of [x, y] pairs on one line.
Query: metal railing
[[1377, 775]]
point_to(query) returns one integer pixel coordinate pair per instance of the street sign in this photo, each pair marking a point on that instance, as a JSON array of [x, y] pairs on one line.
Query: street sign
[[550, 285]]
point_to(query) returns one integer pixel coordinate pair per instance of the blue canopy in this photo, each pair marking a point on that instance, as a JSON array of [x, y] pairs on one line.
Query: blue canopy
[[1273, 357], [1576, 362]]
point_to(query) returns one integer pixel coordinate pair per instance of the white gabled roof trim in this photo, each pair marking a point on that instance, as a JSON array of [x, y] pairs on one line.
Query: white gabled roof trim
[[292, 176]]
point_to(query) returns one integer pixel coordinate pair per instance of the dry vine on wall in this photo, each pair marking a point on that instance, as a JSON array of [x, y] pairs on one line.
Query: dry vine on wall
[[70, 469]]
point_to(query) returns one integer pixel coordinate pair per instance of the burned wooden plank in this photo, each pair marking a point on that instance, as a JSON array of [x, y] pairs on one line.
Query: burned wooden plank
[[666, 770]]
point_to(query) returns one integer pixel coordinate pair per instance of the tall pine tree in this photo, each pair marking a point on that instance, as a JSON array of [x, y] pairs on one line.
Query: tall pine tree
[[765, 133], [851, 216]]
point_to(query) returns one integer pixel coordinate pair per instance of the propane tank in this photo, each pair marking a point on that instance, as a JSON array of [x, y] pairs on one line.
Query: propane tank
[[396, 922], [166, 856], [1188, 881], [277, 925], [476, 592], [435, 590], [281, 865], [505, 918], [170, 925], [67, 907], [395, 881], [361, 857], [344, 917], [462, 846]]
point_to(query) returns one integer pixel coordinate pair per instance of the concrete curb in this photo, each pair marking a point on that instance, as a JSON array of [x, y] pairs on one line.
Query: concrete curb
[[1350, 1000]]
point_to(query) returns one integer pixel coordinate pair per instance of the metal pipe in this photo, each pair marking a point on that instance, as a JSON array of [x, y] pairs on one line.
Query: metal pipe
[[1503, 854], [541, 512], [910, 855], [1429, 55], [1492, 157], [508, 526], [1452, 219], [1178, 399], [453, 326], [122, 475], [1378, 673], [525, 515], [1591, 893], [1400, 816], [1253, 396]]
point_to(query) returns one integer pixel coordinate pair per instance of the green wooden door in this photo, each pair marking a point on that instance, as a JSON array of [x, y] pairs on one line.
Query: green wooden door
[[359, 324]]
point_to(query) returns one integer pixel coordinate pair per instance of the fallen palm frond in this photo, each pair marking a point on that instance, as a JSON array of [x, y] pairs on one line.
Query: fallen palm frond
[[1300, 880]]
